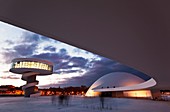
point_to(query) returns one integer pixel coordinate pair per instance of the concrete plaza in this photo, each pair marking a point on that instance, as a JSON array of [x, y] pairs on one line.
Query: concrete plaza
[[81, 104]]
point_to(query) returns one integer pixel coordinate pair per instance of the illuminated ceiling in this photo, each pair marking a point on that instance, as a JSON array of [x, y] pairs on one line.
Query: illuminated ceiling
[[136, 33]]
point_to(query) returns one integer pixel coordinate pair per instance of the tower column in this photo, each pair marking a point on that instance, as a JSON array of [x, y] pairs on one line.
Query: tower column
[[29, 87], [30, 68]]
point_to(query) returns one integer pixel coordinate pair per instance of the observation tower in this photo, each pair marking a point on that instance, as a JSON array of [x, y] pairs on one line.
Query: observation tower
[[30, 68]]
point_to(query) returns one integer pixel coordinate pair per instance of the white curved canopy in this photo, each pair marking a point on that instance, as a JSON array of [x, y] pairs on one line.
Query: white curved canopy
[[143, 85]]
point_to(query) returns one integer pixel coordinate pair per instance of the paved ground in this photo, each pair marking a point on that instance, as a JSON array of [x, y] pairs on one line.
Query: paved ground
[[80, 104]]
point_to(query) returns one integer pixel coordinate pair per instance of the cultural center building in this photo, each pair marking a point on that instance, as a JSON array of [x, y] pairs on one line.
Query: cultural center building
[[124, 82]]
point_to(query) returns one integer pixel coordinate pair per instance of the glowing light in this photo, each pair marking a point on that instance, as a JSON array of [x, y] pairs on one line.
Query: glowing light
[[31, 64], [91, 93], [138, 93]]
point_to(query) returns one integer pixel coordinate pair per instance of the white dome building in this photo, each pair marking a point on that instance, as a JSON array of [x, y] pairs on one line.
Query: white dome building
[[124, 82]]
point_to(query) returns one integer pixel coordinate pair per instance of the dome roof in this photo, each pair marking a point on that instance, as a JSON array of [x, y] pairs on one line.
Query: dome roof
[[119, 81]]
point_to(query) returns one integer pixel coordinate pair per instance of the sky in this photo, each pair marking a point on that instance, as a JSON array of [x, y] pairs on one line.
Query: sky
[[70, 63], [72, 66]]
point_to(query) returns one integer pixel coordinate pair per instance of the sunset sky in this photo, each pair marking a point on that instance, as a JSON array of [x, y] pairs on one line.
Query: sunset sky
[[72, 66], [70, 63]]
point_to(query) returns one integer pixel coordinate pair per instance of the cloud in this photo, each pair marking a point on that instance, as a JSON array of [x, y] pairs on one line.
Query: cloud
[[73, 62], [56, 57], [63, 62], [9, 42], [67, 71], [98, 69], [9, 55], [29, 44], [25, 46], [18, 51], [28, 37], [78, 62], [77, 50], [59, 59], [50, 48], [63, 52], [25, 49]]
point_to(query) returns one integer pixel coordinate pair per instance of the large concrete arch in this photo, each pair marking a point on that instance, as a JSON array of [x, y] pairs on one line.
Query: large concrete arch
[[135, 33]]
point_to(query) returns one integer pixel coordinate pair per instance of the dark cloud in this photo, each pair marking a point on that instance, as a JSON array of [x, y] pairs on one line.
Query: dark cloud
[[50, 48], [56, 57], [59, 59], [25, 49], [21, 48], [98, 69], [28, 37], [62, 60], [79, 62], [9, 42], [66, 71], [9, 55], [63, 51], [76, 62], [18, 51]]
